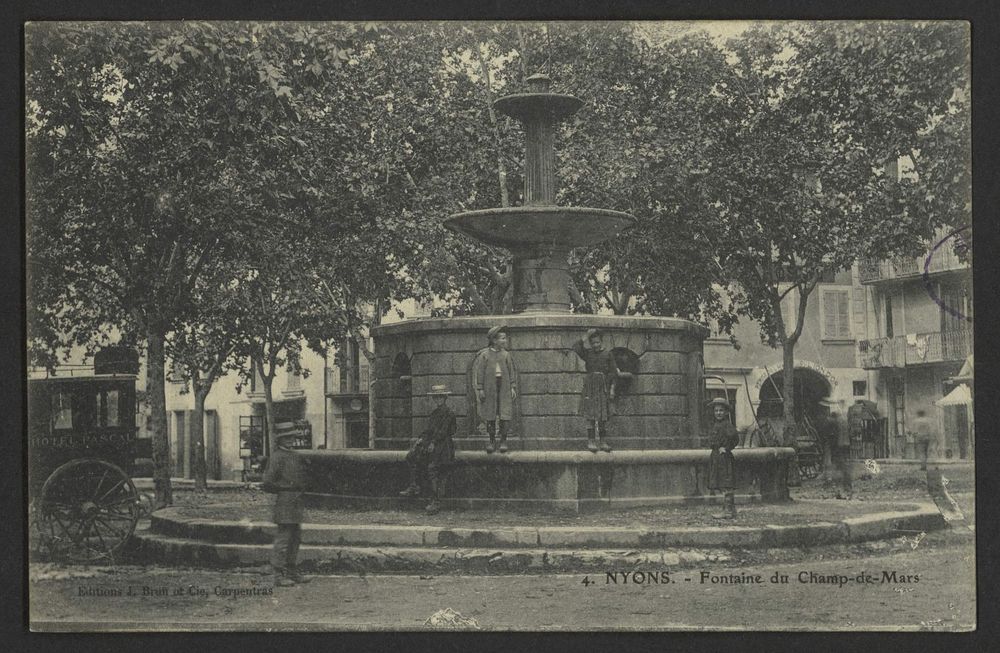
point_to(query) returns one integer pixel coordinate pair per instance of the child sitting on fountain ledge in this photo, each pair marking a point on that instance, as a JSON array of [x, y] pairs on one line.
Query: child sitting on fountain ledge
[[434, 451]]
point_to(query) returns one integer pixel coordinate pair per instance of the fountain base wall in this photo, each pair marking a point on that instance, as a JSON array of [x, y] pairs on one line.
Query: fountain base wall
[[547, 481], [660, 408]]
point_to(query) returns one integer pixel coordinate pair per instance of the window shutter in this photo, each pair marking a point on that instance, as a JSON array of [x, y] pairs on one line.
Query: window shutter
[[829, 314], [860, 314], [836, 313], [844, 313]]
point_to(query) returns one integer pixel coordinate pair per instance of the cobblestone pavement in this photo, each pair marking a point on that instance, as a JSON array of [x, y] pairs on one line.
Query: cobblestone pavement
[[915, 584], [918, 582]]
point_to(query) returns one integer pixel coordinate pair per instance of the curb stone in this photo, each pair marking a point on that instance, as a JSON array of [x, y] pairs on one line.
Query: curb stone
[[172, 539]]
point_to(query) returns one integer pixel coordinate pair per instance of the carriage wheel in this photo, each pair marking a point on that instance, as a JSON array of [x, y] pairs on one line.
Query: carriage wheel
[[87, 510]]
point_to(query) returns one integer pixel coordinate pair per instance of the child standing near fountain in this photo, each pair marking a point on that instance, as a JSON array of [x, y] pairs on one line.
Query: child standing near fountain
[[495, 379], [285, 476], [721, 463], [598, 388]]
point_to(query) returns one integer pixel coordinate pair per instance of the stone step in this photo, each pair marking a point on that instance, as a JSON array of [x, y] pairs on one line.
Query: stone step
[[336, 501], [576, 443], [344, 558], [169, 523]]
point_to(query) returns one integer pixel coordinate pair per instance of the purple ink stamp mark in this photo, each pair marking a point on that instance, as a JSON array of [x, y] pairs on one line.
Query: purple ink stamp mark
[[961, 247]]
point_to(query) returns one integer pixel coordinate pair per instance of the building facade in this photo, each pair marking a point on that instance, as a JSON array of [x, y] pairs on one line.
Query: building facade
[[234, 420], [327, 406], [827, 373], [920, 334]]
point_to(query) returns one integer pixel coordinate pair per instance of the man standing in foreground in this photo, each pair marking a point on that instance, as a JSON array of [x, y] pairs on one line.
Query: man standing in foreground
[[286, 477]]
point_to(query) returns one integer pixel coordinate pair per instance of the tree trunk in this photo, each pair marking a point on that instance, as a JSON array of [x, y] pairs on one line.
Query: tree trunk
[[501, 168], [788, 390], [156, 392], [268, 414], [376, 321], [197, 426]]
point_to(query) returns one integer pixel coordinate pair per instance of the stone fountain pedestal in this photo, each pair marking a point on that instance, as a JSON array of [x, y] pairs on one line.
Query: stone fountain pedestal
[[655, 429], [548, 481]]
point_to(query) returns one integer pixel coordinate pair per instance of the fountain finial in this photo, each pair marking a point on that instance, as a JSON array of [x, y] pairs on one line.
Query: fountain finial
[[538, 83]]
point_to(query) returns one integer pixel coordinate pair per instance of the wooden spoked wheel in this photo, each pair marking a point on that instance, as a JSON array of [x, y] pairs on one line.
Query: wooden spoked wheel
[[87, 510]]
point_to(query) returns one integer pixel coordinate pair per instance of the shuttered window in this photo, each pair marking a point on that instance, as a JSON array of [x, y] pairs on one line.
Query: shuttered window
[[835, 304]]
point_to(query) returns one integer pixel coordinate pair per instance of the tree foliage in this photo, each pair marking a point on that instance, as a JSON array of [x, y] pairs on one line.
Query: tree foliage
[[817, 116], [168, 160]]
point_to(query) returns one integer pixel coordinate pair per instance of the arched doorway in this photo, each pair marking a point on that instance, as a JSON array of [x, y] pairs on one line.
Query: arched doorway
[[810, 388]]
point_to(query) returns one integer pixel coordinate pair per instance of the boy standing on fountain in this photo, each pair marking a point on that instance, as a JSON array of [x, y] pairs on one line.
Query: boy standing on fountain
[[721, 463], [598, 388], [495, 380]]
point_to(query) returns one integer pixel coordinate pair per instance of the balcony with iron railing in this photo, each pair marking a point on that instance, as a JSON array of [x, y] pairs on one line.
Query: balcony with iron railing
[[916, 349], [347, 384], [944, 259]]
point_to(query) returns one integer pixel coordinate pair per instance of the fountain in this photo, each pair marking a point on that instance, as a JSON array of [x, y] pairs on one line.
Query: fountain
[[656, 425]]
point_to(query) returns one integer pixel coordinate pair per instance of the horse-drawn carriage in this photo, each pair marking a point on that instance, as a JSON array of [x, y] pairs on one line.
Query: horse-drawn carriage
[[81, 450]]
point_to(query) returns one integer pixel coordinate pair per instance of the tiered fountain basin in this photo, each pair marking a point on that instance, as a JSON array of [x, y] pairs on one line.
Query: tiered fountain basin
[[529, 227], [656, 425]]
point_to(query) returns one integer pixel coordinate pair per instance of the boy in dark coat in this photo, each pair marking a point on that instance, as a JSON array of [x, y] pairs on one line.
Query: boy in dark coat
[[598, 388], [433, 451], [723, 438], [286, 477], [495, 380]]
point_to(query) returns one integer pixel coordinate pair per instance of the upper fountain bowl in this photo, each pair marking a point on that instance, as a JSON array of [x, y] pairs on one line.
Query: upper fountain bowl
[[523, 227], [529, 107]]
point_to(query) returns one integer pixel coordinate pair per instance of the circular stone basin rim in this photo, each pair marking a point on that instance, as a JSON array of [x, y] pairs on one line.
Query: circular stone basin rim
[[524, 106], [527, 226], [540, 320]]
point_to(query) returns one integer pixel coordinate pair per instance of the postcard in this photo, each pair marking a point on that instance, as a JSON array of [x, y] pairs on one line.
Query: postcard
[[500, 326]]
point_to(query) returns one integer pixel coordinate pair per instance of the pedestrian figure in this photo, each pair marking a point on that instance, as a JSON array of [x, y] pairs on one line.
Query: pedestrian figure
[[433, 451], [599, 387], [721, 463], [922, 437], [286, 477], [495, 380], [838, 441]]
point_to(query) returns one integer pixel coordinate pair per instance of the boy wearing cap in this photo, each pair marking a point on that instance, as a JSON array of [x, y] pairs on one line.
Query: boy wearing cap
[[286, 477], [433, 451], [495, 380], [598, 388], [721, 464]]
